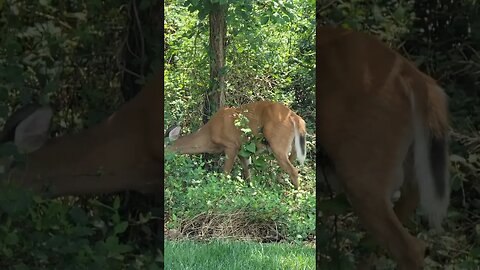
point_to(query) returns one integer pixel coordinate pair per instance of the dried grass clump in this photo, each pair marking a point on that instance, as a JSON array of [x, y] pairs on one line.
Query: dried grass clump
[[237, 225]]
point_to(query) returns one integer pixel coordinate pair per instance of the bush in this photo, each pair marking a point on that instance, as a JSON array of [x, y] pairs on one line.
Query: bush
[[40, 233]]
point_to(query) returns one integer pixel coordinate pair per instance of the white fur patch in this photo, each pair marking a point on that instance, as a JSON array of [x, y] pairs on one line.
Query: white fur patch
[[435, 208], [301, 153]]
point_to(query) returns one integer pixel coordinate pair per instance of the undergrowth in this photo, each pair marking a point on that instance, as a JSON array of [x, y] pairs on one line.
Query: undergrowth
[[39, 233], [201, 204]]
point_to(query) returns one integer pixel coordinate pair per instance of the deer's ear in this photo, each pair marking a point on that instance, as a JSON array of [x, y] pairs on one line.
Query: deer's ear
[[32, 132], [174, 133]]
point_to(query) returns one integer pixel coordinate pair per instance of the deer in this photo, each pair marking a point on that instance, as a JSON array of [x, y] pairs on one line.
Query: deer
[[123, 152], [384, 126], [284, 132]]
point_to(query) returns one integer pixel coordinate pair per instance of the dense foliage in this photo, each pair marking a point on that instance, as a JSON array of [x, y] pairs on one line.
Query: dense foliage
[[270, 55], [62, 54], [44, 234]]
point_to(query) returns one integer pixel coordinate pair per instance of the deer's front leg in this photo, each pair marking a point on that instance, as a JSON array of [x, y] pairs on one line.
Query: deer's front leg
[[231, 154]]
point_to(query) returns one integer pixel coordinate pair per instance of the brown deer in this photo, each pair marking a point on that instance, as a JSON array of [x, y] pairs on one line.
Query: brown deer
[[281, 127], [124, 152], [384, 126]]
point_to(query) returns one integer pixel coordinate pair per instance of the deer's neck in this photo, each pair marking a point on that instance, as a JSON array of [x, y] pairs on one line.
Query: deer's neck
[[123, 152], [195, 143]]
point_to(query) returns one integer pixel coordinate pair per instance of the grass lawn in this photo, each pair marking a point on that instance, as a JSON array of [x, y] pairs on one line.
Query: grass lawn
[[187, 254]]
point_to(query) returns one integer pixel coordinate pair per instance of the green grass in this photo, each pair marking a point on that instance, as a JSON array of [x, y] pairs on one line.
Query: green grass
[[187, 254]]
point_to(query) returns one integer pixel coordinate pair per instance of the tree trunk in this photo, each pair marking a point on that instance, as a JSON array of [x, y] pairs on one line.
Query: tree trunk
[[215, 97]]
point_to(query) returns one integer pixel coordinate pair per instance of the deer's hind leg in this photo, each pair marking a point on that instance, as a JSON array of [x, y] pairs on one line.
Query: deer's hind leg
[[293, 153], [245, 170], [369, 177], [279, 138], [410, 197]]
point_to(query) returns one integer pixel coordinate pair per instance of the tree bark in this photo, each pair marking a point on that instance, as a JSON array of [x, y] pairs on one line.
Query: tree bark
[[215, 97]]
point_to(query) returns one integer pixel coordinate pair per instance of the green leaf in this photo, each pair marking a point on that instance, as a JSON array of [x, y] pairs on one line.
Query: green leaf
[[122, 248], [377, 13], [290, 15], [11, 239], [15, 201], [45, 3], [78, 215], [111, 243], [120, 227], [261, 163], [81, 16], [264, 19], [243, 153], [116, 203], [475, 252], [457, 158], [251, 147], [399, 13], [203, 12]]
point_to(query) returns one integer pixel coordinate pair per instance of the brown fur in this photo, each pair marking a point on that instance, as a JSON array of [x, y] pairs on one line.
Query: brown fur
[[220, 135], [365, 115]]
